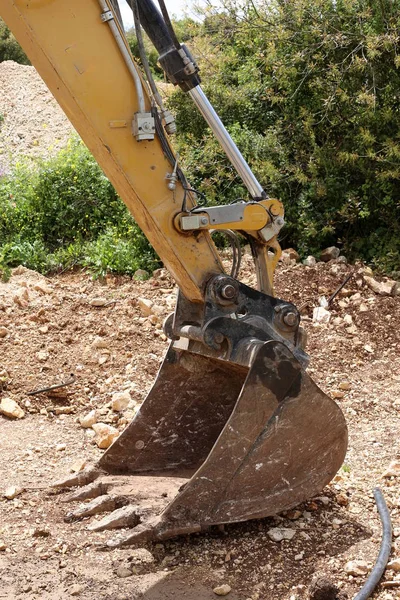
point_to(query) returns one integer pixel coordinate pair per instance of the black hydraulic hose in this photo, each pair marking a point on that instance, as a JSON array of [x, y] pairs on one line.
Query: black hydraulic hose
[[154, 25], [143, 55], [384, 553], [168, 23]]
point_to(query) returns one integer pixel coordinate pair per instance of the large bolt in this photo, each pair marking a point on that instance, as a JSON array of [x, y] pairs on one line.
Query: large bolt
[[228, 291], [290, 319], [204, 220]]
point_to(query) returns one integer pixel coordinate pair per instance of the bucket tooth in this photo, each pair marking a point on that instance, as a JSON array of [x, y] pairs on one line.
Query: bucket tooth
[[79, 479], [92, 490], [127, 516], [98, 505]]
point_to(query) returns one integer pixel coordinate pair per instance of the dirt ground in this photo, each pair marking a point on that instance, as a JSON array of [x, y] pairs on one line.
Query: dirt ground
[[54, 328]]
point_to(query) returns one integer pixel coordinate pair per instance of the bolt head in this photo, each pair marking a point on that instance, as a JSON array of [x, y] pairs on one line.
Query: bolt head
[[228, 291], [204, 220], [290, 319]]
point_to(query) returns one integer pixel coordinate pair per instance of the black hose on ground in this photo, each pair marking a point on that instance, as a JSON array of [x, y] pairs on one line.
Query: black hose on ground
[[384, 553]]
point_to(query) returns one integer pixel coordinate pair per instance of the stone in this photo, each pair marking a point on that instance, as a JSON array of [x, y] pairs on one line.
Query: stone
[[141, 275], [222, 590], [88, 420], [4, 332], [78, 465], [76, 589], [12, 492], [123, 571], [348, 319], [10, 409], [342, 259], [146, 306], [356, 568], [120, 401], [42, 356], [393, 470], [105, 435], [292, 254], [322, 589], [321, 315], [22, 297], [368, 348], [310, 261], [100, 301], [61, 447], [345, 385], [3, 547], [42, 288], [383, 288], [330, 253], [277, 534], [100, 343], [338, 395], [394, 565]]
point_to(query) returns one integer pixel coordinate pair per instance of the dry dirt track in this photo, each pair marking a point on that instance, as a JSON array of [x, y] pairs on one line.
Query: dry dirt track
[[55, 330]]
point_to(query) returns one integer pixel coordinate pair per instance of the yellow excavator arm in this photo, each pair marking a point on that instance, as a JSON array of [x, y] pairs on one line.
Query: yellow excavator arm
[[232, 415]]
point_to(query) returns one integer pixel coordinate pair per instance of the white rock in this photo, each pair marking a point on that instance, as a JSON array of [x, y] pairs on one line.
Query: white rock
[[277, 534], [383, 288], [11, 409], [120, 401], [321, 315], [105, 434], [100, 343], [348, 319], [222, 590], [61, 447], [310, 261], [4, 332], [42, 356], [12, 492], [100, 301], [146, 306], [356, 567], [368, 348], [88, 420]]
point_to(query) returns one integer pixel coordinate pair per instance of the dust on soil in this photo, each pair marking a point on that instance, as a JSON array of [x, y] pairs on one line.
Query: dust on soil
[[54, 330]]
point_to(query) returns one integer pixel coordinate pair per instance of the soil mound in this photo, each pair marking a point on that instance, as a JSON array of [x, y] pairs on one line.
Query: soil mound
[[31, 122]]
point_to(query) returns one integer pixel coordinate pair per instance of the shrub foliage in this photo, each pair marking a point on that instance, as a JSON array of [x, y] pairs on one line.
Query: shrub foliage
[[66, 213], [310, 92]]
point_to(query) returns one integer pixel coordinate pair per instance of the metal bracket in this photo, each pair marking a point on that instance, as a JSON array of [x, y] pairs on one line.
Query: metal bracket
[[232, 317], [214, 215], [107, 16], [143, 126]]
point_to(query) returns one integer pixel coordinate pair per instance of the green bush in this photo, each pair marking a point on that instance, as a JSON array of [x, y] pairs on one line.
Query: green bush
[[310, 92], [65, 213], [9, 47]]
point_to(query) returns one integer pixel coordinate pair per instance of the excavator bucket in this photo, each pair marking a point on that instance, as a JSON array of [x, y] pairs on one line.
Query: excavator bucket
[[232, 442]]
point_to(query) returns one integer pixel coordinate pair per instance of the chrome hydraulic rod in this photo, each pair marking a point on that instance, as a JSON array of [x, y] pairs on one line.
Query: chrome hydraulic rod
[[227, 143]]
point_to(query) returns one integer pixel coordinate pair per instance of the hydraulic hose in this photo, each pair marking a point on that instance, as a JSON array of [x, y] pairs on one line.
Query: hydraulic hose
[[127, 56], [384, 553]]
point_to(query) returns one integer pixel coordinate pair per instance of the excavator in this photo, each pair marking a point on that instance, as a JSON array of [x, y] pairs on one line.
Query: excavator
[[233, 428]]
